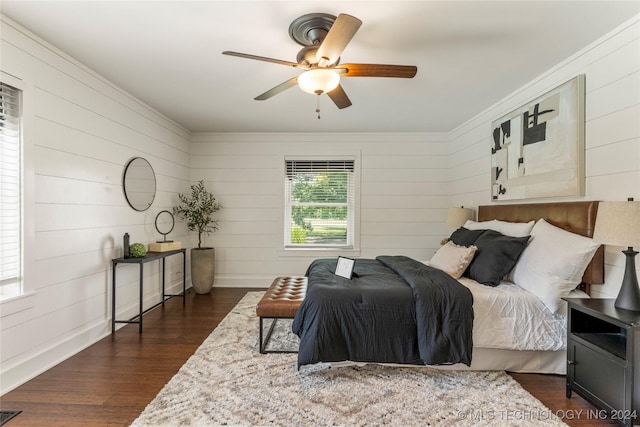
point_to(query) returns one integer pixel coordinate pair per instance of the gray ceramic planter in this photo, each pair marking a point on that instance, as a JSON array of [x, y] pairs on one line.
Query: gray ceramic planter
[[203, 269]]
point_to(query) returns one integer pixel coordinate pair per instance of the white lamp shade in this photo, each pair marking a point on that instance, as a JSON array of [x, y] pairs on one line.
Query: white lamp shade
[[618, 224], [318, 81], [458, 216]]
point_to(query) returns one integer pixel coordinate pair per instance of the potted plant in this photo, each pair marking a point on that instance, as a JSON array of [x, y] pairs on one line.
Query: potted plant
[[197, 210]]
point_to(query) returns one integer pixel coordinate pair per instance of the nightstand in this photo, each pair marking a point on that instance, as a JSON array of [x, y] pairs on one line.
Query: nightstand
[[603, 352]]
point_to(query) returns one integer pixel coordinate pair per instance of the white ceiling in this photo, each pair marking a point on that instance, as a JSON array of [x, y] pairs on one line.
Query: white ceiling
[[469, 54]]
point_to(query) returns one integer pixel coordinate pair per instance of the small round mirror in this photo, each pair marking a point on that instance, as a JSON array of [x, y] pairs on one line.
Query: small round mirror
[[164, 224], [139, 184]]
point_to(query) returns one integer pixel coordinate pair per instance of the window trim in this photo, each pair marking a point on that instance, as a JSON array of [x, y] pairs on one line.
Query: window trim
[[25, 287], [301, 250], [10, 286]]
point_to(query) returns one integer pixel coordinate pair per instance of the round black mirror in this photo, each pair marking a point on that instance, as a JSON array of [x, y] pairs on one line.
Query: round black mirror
[[139, 184]]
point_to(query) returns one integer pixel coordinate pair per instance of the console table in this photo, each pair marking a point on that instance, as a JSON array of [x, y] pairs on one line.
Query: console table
[[141, 261]]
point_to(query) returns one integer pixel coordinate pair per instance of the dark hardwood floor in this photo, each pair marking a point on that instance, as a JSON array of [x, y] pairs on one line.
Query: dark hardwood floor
[[111, 382]]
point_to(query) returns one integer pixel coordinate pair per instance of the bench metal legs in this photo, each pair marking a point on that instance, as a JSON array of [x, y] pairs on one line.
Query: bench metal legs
[[264, 340]]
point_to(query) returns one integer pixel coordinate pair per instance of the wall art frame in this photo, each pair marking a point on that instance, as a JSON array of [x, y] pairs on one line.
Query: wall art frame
[[537, 150]]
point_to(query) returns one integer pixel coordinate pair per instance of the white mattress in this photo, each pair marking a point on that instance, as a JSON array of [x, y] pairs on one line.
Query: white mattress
[[509, 317]]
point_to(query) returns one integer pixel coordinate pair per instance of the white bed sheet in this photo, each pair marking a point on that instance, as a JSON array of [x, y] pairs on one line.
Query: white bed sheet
[[509, 317], [512, 331]]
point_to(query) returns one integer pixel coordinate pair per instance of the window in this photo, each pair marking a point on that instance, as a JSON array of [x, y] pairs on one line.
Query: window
[[319, 203], [10, 212]]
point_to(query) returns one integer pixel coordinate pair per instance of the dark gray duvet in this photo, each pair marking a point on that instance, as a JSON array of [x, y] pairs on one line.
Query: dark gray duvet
[[397, 310]]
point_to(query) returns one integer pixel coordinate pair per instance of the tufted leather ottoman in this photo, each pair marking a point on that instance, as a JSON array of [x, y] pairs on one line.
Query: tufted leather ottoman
[[280, 301]]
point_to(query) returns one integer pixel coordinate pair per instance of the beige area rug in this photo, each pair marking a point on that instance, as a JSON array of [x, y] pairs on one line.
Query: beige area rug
[[228, 382]]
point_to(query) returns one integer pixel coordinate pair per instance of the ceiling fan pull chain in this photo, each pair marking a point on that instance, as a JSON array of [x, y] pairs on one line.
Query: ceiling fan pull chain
[[318, 105]]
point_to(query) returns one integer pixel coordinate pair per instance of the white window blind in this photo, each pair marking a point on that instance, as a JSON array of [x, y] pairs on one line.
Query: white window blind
[[319, 203], [10, 224]]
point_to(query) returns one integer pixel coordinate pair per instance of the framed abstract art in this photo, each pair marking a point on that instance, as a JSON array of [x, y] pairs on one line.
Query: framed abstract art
[[537, 150]]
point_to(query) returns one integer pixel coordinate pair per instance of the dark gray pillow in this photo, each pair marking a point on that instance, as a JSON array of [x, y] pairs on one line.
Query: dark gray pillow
[[495, 257], [465, 237]]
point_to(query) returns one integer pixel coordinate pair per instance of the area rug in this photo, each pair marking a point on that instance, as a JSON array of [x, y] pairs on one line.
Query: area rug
[[228, 382]]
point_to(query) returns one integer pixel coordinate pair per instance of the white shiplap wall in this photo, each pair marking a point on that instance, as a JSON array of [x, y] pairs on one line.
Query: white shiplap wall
[[612, 132], [80, 131], [403, 202]]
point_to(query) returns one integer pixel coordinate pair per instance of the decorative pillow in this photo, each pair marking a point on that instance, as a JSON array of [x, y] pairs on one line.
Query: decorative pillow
[[453, 259], [513, 229], [465, 237], [496, 255], [553, 263]]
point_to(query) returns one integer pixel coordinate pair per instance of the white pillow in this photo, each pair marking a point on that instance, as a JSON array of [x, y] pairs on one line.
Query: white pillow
[[553, 263], [453, 259], [513, 229]]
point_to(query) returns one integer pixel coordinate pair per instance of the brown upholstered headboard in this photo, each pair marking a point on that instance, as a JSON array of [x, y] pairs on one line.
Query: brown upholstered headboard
[[576, 217]]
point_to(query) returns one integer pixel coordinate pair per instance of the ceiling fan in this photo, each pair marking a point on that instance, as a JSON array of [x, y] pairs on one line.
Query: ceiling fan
[[323, 38]]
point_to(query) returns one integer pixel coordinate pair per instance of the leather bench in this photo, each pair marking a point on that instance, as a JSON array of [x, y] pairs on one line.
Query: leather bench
[[280, 301]]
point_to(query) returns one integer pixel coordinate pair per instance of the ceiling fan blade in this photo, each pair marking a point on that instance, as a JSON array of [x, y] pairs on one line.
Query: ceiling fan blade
[[378, 70], [340, 34], [276, 90], [339, 97], [265, 59]]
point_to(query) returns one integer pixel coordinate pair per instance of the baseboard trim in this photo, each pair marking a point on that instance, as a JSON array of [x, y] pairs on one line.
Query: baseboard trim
[[30, 366], [244, 282]]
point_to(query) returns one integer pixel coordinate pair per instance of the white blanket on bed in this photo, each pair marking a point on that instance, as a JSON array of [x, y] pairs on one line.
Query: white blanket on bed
[[509, 317]]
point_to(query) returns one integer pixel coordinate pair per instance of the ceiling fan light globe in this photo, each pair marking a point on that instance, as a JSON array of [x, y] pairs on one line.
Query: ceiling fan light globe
[[318, 81]]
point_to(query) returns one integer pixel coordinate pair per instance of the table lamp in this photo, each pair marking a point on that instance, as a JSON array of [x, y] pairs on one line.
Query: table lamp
[[458, 216], [618, 224]]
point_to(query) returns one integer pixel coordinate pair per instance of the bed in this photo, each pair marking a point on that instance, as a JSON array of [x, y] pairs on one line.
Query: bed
[[404, 311]]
